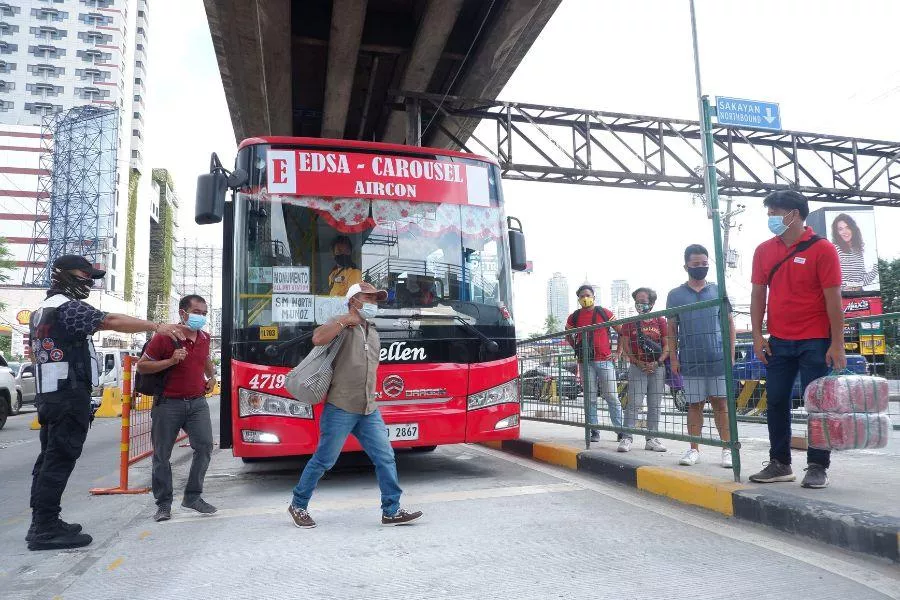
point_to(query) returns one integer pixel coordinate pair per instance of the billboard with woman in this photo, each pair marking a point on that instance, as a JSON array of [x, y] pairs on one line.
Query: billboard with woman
[[852, 231]]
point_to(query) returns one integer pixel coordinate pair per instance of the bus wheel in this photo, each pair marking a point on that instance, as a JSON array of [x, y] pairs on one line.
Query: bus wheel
[[423, 448]]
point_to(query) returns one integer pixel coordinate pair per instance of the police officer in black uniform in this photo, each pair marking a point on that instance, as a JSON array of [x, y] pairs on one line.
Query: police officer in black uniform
[[67, 369]]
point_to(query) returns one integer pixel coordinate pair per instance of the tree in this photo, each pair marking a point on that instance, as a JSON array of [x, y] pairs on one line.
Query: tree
[[889, 274], [6, 265], [551, 325]]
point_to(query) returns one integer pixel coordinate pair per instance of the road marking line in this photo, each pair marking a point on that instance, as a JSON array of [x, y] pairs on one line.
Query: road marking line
[[143, 535], [412, 498], [115, 564], [837, 562]]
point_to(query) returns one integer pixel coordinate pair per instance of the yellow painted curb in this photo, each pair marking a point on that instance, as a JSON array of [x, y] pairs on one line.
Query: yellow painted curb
[[699, 490], [557, 454], [493, 444], [35, 424]]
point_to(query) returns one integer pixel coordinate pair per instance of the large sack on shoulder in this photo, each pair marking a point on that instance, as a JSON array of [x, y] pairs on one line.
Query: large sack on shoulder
[[846, 393], [309, 381]]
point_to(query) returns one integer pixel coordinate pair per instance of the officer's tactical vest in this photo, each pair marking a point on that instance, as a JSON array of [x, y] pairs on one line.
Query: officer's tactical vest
[[64, 363]]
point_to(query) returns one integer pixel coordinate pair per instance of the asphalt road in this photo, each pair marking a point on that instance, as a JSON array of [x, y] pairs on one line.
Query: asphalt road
[[495, 526]]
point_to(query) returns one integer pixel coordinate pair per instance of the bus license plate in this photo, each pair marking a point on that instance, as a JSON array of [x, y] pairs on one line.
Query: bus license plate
[[398, 432]]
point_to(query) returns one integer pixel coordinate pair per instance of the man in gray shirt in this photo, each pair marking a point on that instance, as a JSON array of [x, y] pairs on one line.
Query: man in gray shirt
[[695, 345], [350, 408]]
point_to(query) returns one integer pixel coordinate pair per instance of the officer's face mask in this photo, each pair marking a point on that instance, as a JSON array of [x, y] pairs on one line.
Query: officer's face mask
[[72, 285], [586, 301]]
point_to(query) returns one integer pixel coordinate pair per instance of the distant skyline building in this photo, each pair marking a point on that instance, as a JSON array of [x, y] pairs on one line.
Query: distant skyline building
[[620, 299], [558, 297]]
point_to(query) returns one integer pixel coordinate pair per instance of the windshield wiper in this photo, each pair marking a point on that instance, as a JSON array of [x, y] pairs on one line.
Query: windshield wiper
[[490, 344], [272, 349]]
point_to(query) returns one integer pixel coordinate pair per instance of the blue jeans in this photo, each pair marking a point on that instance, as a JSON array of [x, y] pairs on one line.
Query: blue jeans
[[604, 372], [334, 427], [788, 357]]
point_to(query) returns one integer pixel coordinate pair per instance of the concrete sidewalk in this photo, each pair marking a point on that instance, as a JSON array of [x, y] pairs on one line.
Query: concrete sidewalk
[[858, 511]]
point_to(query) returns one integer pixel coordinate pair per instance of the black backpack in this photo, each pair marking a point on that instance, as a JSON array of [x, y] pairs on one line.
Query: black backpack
[[152, 384], [575, 340]]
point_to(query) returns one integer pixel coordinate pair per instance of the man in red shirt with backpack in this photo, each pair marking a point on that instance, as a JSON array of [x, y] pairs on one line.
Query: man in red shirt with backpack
[[600, 374], [190, 374]]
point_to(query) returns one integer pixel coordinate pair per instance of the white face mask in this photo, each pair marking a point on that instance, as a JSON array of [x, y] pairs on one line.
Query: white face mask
[[368, 311]]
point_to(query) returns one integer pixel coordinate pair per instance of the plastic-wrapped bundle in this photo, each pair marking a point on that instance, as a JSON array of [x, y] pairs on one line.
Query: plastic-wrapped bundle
[[847, 394], [848, 431]]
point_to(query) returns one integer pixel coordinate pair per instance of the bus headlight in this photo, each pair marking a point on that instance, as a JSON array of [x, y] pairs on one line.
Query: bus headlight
[[252, 403], [502, 394]]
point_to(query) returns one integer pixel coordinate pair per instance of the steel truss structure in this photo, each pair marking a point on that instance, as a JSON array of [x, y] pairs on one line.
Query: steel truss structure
[[76, 198], [533, 142], [198, 270]]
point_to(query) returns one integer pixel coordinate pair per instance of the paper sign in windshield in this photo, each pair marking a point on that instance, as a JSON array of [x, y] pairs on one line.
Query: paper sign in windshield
[[290, 280], [293, 308]]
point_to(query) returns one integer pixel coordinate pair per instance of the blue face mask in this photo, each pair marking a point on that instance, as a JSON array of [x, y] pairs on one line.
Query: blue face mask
[[777, 224], [195, 322], [368, 311]]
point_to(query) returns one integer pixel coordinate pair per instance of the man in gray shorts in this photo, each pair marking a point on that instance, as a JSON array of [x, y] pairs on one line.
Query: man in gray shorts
[[695, 346]]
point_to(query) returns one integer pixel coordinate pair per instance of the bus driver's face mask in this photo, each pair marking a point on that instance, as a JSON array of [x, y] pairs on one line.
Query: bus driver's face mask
[[342, 260]]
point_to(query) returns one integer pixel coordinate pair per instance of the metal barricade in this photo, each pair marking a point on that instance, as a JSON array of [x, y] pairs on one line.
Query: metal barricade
[[556, 386]]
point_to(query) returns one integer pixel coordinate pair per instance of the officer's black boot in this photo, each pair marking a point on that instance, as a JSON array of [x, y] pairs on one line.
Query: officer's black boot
[[56, 537], [70, 527]]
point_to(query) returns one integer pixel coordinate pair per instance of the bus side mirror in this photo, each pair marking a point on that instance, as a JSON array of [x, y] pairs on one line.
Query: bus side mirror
[[517, 257], [211, 190]]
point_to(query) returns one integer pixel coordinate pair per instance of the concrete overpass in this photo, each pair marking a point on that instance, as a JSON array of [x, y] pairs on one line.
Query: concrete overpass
[[325, 67]]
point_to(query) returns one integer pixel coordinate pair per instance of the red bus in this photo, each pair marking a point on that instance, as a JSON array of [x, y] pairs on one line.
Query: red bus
[[427, 225]]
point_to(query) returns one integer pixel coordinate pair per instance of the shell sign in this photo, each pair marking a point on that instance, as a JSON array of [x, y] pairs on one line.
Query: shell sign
[[23, 317]]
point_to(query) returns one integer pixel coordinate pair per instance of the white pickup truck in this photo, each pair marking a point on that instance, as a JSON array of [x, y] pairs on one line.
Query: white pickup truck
[[7, 391]]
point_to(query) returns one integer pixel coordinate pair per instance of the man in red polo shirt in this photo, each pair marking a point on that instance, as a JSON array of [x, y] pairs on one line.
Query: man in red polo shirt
[[190, 375], [805, 322]]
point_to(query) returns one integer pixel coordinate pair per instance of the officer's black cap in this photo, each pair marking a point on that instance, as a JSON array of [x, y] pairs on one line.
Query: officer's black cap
[[70, 262]]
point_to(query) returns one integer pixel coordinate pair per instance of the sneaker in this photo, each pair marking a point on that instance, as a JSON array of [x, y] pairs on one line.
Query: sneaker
[[726, 458], [57, 537], [200, 505], [595, 436], [654, 445], [301, 517], [401, 517], [690, 458], [163, 513], [816, 477], [70, 527], [773, 472], [624, 445]]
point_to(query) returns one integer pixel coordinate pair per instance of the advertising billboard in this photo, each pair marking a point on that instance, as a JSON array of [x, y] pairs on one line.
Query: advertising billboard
[[852, 231], [865, 337]]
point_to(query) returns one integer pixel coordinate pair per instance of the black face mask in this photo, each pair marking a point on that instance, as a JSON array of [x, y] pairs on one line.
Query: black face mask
[[698, 273], [72, 285], [342, 260]]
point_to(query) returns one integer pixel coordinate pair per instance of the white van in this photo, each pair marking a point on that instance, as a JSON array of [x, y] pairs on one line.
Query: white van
[[111, 361]]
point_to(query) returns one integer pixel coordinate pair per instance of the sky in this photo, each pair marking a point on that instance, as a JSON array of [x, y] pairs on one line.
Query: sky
[[829, 65]]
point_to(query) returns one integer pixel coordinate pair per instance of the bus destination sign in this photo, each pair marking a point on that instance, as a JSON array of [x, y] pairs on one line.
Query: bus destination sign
[[357, 175]]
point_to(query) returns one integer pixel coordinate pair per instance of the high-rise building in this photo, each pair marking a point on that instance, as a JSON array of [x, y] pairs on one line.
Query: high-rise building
[[162, 297], [56, 55], [621, 303], [558, 298]]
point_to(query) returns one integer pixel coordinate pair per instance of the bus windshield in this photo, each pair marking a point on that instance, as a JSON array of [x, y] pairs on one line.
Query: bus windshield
[[296, 256]]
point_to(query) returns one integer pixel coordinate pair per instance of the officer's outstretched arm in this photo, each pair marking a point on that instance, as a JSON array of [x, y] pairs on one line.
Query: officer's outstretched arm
[[126, 324]]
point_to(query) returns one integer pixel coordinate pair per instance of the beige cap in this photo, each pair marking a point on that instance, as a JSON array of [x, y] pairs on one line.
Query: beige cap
[[366, 288]]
